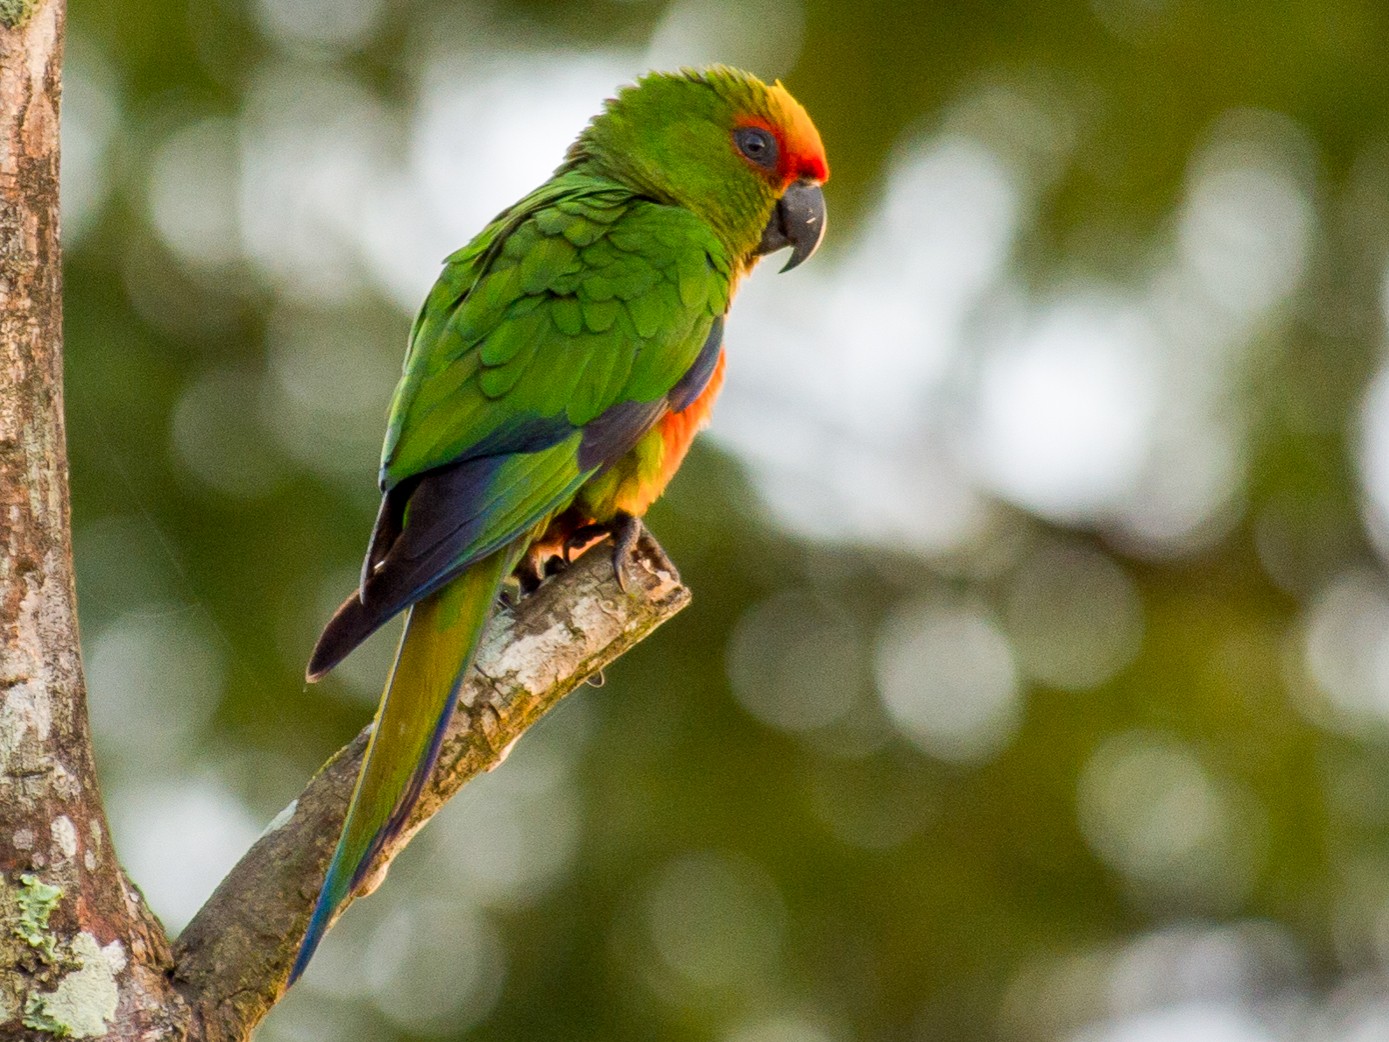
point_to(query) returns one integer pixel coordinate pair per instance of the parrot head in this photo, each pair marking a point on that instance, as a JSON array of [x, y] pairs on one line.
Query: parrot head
[[739, 153]]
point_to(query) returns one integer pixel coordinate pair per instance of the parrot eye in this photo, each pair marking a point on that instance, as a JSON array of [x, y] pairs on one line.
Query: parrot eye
[[758, 145]]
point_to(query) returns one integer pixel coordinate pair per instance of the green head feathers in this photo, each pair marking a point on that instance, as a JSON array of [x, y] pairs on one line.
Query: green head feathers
[[716, 141]]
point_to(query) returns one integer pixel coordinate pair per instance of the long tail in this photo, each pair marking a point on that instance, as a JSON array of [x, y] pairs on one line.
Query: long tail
[[441, 636]]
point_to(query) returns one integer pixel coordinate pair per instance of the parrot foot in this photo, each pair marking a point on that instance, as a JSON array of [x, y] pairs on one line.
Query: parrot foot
[[626, 530], [580, 539], [527, 580], [528, 577]]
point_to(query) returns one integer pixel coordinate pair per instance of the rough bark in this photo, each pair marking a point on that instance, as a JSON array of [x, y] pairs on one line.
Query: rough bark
[[80, 954]]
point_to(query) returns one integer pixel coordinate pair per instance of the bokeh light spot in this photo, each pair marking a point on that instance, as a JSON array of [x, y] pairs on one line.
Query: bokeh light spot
[[948, 681], [91, 116], [330, 24], [218, 437], [1065, 409], [781, 1029], [1347, 653], [1195, 1023], [755, 34], [515, 832], [1153, 811], [435, 967], [155, 678], [1073, 615], [717, 921], [193, 185], [795, 661], [179, 837]]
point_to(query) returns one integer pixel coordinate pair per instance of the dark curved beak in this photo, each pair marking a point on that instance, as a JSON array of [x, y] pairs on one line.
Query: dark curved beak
[[798, 221]]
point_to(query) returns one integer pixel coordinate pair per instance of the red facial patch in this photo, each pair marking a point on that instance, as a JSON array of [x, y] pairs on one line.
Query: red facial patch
[[803, 155], [800, 153]]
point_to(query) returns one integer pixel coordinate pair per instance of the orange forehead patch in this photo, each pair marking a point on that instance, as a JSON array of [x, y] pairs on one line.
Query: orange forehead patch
[[803, 155]]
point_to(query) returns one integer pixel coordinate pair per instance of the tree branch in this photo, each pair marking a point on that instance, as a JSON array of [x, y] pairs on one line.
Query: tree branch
[[233, 959]]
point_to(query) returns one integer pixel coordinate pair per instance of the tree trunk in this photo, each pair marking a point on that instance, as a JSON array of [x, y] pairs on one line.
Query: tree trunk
[[81, 952]]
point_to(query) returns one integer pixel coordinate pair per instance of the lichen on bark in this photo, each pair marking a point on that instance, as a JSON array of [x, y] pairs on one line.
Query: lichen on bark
[[68, 986], [14, 13], [36, 900], [84, 1001]]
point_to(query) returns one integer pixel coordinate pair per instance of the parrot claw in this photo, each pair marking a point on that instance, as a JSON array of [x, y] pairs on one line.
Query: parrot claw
[[527, 578], [626, 530]]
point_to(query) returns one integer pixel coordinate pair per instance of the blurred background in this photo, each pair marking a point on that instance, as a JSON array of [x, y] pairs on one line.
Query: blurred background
[[1037, 680]]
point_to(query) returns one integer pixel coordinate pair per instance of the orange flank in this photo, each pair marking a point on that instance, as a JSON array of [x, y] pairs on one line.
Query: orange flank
[[677, 430], [635, 483]]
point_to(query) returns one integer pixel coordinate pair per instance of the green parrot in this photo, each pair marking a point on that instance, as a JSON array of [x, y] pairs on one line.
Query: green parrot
[[555, 377]]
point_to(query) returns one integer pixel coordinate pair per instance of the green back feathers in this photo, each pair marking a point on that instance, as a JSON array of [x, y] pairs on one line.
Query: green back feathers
[[580, 298]]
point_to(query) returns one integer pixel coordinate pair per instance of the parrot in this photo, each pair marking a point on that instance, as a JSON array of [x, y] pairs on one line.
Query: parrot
[[553, 381]]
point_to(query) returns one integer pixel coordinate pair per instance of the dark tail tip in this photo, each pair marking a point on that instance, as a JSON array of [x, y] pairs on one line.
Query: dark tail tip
[[351, 624], [318, 925]]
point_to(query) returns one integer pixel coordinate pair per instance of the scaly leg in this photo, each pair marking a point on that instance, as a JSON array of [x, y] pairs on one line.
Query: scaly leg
[[625, 529]]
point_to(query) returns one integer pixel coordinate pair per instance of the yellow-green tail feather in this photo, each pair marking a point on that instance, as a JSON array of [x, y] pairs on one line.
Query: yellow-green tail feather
[[436, 649]]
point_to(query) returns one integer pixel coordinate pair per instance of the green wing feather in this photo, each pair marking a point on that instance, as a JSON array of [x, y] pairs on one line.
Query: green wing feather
[[572, 302]]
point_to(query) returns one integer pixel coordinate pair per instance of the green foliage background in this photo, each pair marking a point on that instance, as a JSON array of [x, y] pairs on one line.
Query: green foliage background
[[1169, 820]]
